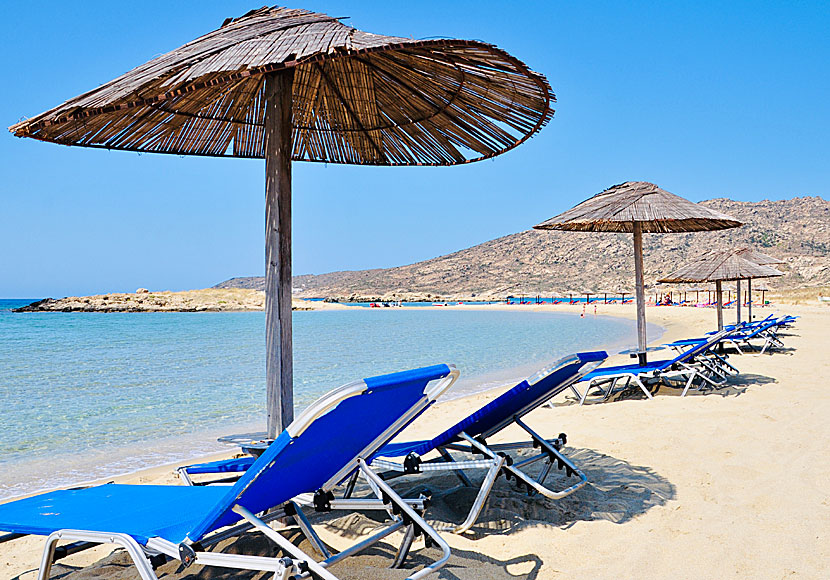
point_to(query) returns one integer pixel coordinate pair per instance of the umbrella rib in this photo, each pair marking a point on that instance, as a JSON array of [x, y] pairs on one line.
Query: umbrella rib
[[346, 106]]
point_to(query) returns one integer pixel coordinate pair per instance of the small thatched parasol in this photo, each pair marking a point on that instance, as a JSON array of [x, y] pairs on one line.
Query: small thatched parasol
[[588, 294], [285, 84], [717, 267], [758, 258], [637, 207]]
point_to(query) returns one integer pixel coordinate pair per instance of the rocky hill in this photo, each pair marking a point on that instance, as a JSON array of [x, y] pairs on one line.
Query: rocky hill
[[796, 230]]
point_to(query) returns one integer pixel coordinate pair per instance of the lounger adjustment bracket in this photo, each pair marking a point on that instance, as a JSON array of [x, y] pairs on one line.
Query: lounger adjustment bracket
[[322, 500], [187, 553], [412, 463]]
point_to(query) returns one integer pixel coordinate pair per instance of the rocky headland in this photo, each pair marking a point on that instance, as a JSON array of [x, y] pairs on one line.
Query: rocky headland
[[207, 300]]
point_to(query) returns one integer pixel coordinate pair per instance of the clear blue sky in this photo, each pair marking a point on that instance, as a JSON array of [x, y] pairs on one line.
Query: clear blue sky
[[706, 99]]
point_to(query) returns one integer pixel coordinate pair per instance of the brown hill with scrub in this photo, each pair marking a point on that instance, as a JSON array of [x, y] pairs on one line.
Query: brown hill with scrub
[[795, 230]]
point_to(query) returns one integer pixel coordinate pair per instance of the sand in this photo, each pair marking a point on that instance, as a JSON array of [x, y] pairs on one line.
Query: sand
[[730, 484]]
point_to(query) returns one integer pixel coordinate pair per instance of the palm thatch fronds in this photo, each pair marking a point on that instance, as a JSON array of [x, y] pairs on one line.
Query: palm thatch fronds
[[358, 98]]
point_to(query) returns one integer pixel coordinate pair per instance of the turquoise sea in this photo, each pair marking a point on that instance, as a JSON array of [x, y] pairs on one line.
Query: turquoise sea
[[90, 395]]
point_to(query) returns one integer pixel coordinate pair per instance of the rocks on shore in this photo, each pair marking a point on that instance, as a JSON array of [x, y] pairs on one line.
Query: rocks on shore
[[208, 300]]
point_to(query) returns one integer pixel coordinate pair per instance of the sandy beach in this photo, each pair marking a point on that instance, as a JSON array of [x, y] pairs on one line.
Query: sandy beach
[[731, 483]]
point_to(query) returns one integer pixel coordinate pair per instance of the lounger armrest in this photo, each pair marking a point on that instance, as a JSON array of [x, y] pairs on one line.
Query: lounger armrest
[[323, 405]]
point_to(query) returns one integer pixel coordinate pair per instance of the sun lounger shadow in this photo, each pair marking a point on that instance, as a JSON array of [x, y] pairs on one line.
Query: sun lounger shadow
[[745, 380], [617, 491]]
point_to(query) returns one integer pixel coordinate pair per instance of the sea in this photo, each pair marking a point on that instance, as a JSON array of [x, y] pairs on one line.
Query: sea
[[85, 396]]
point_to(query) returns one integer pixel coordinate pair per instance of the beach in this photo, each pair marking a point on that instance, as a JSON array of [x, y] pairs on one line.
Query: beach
[[731, 483]]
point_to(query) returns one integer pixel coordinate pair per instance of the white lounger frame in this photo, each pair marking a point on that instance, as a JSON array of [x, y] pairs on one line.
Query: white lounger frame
[[296, 562], [496, 462]]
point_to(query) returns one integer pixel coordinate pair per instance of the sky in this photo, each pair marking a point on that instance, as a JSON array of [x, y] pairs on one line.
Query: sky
[[706, 99]]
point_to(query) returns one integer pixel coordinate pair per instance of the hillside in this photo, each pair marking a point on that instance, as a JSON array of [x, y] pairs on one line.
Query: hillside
[[796, 230]]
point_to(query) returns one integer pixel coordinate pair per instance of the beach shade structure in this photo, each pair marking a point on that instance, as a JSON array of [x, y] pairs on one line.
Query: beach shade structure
[[763, 289], [718, 267], [697, 290], [288, 84], [588, 294], [638, 207], [759, 258]]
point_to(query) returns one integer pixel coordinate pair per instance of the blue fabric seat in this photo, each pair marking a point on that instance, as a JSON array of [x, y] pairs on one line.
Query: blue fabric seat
[[681, 365], [142, 511]]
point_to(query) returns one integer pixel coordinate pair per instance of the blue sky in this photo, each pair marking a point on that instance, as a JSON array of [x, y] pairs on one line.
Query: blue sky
[[706, 99]]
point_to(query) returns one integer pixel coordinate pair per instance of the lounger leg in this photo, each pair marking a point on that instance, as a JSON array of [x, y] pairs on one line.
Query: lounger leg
[[350, 486], [643, 387], [407, 512], [458, 472], [575, 392], [283, 543], [139, 558], [308, 531], [406, 545], [486, 486], [611, 388], [551, 451], [688, 384]]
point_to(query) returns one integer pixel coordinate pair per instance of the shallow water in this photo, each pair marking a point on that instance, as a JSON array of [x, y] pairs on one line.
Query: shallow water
[[89, 395]]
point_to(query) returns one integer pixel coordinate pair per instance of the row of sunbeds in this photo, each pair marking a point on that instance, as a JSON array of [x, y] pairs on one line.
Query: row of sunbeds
[[345, 435]]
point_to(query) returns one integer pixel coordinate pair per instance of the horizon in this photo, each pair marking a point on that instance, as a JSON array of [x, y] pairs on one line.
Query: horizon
[[730, 105]]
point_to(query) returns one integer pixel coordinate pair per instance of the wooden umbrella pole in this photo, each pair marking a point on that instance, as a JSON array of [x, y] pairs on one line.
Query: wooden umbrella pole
[[749, 302], [719, 298], [739, 300], [639, 289], [279, 368]]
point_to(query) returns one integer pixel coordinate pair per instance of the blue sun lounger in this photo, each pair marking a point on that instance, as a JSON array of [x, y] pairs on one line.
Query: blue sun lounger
[[686, 365], [327, 443], [744, 335], [469, 436]]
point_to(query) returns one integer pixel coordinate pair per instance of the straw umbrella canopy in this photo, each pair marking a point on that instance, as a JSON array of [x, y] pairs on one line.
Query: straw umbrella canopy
[[622, 291], [718, 267], [588, 294], [759, 258], [285, 84], [638, 207], [763, 289]]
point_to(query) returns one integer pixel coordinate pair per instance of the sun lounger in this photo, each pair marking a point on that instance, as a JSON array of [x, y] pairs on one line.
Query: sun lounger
[[469, 437], [326, 444], [684, 366]]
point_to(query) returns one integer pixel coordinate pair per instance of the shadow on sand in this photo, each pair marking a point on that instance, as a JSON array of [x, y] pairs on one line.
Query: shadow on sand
[[735, 386], [617, 491]]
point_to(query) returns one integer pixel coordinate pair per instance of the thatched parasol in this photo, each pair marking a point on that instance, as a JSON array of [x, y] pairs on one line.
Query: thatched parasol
[[588, 294], [637, 207], [717, 267], [759, 258], [285, 84]]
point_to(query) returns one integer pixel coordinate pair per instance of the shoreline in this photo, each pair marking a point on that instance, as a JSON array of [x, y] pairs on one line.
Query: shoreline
[[126, 461], [670, 469]]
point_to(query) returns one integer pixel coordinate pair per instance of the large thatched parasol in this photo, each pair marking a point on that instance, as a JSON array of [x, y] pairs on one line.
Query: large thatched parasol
[[285, 84], [639, 207], [717, 267]]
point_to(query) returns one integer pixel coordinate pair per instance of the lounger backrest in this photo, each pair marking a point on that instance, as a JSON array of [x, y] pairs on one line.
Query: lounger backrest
[[519, 400], [324, 442], [763, 328], [700, 348]]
